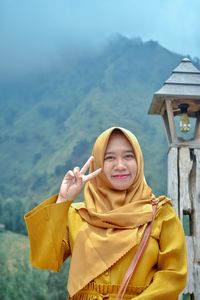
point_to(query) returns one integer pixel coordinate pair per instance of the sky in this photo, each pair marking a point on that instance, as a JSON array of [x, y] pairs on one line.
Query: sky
[[34, 34]]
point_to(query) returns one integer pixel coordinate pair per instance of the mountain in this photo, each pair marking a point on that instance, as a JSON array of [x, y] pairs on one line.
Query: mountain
[[50, 120], [21, 281]]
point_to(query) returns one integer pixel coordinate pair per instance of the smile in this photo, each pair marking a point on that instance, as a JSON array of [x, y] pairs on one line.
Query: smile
[[120, 176]]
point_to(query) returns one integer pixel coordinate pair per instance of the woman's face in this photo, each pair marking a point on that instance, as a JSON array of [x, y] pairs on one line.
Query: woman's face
[[120, 167]]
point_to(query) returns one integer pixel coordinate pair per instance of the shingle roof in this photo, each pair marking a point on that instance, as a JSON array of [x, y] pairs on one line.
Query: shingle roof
[[184, 83]]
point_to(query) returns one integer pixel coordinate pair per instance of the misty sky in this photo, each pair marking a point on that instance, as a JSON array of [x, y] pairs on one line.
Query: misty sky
[[35, 33]]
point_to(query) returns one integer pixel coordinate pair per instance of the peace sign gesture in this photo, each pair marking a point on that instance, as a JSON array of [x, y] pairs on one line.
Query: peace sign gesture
[[74, 180]]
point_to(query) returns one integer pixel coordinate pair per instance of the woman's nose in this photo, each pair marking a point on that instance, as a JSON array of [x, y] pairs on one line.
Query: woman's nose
[[120, 165]]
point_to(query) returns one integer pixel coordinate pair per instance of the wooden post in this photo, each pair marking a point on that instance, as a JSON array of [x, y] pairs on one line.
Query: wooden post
[[183, 88], [172, 180], [196, 225], [184, 190]]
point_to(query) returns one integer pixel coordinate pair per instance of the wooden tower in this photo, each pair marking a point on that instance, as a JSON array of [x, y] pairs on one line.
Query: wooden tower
[[178, 102]]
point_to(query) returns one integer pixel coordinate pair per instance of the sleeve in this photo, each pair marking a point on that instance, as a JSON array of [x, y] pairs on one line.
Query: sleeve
[[170, 278], [47, 226]]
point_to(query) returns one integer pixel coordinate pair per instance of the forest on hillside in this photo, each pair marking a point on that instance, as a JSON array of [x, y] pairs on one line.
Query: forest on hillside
[[48, 123], [50, 120]]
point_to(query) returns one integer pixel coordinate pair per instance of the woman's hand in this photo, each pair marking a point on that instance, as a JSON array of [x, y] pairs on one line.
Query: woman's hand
[[74, 180]]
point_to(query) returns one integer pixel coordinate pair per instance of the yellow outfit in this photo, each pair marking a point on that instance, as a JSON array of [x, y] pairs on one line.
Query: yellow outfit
[[102, 235], [161, 273]]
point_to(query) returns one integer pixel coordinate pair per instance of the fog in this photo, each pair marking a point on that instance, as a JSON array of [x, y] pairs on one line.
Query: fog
[[36, 34]]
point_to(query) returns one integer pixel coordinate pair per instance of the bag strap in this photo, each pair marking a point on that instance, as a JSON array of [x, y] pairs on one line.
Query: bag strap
[[138, 254]]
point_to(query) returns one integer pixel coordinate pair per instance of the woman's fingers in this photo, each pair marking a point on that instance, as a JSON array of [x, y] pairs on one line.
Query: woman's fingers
[[91, 175], [73, 176], [76, 172], [84, 169], [69, 175], [77, 175], [86, 165]]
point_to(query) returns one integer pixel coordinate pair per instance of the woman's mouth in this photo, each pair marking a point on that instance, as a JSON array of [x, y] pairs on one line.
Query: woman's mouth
[[120, 176]]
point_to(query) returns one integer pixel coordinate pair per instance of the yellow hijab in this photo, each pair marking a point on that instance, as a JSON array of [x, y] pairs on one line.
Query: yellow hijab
[[115, 220]]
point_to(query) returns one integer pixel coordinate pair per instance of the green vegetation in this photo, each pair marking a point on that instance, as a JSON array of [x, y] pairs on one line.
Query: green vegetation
[[19, 280], [49, 122]]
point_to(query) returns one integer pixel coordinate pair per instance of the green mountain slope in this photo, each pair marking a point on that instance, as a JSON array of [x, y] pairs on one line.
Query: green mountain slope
[[19, 280], [49, 121]]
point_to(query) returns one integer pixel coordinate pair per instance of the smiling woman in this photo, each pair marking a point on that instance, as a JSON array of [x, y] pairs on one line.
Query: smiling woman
[[108, 229], [120, 165]]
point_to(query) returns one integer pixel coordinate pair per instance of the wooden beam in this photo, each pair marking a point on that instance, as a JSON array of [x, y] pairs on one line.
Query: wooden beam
[[196, 205], [172, 180], [197, 129], [167, 129], [185, 167], [190, 288], [170, 116]]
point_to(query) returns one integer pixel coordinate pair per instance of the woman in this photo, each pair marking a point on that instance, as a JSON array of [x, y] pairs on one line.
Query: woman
[[102, 234]]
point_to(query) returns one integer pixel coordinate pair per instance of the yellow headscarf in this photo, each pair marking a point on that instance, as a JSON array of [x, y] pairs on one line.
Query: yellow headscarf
[[115, 220]]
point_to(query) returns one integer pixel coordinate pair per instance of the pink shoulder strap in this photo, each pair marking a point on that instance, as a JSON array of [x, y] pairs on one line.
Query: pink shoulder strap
[[138, 254]]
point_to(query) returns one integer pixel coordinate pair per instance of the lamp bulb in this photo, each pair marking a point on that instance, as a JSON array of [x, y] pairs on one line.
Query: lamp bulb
[[184, 122]]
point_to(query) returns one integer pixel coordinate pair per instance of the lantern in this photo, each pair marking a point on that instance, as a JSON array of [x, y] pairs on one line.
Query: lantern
[[178, 101]]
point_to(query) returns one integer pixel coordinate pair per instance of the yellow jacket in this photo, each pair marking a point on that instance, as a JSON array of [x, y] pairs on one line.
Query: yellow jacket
[[160, 274]]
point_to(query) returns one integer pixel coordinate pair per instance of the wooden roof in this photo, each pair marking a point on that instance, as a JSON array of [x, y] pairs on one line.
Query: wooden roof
[[183, 84]]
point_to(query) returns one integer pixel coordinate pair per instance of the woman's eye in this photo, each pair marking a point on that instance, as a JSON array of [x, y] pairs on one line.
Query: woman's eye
[[109, 158], [129, 156]]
